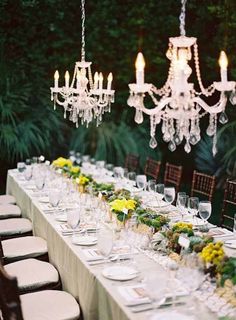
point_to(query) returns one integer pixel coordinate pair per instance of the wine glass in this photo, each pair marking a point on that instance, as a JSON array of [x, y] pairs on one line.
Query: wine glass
[[169, 194], [39, 181], [54, 197], [141, 181], [151, 185], [28, 173], [205, 212], [73, 219], [21, 167], [159, 188], [181, 203], [132, 178], [156, 285], [105, 241], [193, 206]]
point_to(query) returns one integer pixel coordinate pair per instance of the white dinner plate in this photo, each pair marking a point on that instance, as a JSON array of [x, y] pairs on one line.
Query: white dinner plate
[[171, 315], [120, 273], [44, 200], [156, 204], [230, 244], [61, 218], [84, 240]]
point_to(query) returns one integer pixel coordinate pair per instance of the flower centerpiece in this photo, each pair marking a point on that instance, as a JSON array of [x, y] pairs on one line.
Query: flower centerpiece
[[213, 255], [173, 235], [151, 219], [82, 181], [62, 164], [74, 172], [123, 208]]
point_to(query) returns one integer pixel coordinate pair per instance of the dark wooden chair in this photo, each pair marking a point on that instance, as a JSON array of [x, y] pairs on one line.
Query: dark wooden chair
[[152, 168], [9, 297], [229, 205], [132, 162], [173, 175], [203, 185], [34, 304]]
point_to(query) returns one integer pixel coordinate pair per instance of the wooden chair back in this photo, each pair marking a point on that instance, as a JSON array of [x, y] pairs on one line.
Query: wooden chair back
[[173, 175], [152, 168], [132, 162], [9, 297], [229, 205], [203, 184]]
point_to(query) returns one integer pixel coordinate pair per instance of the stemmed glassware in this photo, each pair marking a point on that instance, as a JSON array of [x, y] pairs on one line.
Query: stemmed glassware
[[132, 178], [105, 241], [151, 185], [181, 203], [73, 219], [193, 206], [54, 197], [28, 172], [169, 194], [141, 181], [205, 212]]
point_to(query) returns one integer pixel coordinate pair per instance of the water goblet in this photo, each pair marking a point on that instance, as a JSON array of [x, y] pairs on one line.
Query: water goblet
[[132, 178], [181, 203], [157, 287], [54, 197], [151, 185], [73, 219], [105, 241], [141, 181], [28, 172], [205, 209], [193, 206], [169, 194], [21, 167]]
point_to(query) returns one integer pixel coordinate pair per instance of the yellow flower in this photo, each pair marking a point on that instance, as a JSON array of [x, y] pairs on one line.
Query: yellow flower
[[121, 204], [74, 169], [82, 180], [213, 253], [62, 162]]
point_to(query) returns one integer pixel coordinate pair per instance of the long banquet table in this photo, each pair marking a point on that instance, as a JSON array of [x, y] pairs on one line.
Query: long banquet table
[[97, 296]]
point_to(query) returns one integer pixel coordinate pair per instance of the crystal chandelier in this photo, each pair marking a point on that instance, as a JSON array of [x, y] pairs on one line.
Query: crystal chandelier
[[85, 97], [180, 107]]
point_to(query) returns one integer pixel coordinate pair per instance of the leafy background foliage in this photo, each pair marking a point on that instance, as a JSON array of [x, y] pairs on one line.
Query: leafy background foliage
[[39, 36]]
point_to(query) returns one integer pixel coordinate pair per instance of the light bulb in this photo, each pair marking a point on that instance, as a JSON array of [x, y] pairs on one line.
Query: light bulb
[[140, 62], [56, 75], [110, 77], [223, 60]]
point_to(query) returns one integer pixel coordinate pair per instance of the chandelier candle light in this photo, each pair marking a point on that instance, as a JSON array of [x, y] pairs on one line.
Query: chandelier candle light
[[85, 97], [180, 106]]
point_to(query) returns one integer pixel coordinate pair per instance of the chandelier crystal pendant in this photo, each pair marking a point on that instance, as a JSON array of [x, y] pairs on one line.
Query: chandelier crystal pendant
[[180, 106], [85, 98]]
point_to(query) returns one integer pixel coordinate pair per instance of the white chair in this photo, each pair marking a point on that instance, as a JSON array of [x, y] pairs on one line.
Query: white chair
[[46, 304], [25, 247], [34, 275], [7, 199], [14, 227], [9, 211]]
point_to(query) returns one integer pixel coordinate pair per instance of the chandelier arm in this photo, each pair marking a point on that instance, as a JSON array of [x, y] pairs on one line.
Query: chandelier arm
[[157, 109], [218, 107], [82, 30]]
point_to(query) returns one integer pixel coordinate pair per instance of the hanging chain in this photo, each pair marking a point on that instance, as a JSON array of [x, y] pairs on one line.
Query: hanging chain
[[82, 30], [182, 18]]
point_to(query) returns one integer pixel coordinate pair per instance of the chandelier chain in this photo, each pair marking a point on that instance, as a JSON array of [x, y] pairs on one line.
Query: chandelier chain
[[182, 18], [82, 30]]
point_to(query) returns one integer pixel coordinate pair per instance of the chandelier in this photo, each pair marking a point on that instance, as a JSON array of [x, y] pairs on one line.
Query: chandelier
[[84, 98], [180, 107]]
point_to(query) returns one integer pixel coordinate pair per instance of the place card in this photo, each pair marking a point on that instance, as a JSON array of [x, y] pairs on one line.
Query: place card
[[134, 295], [184, 242]]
